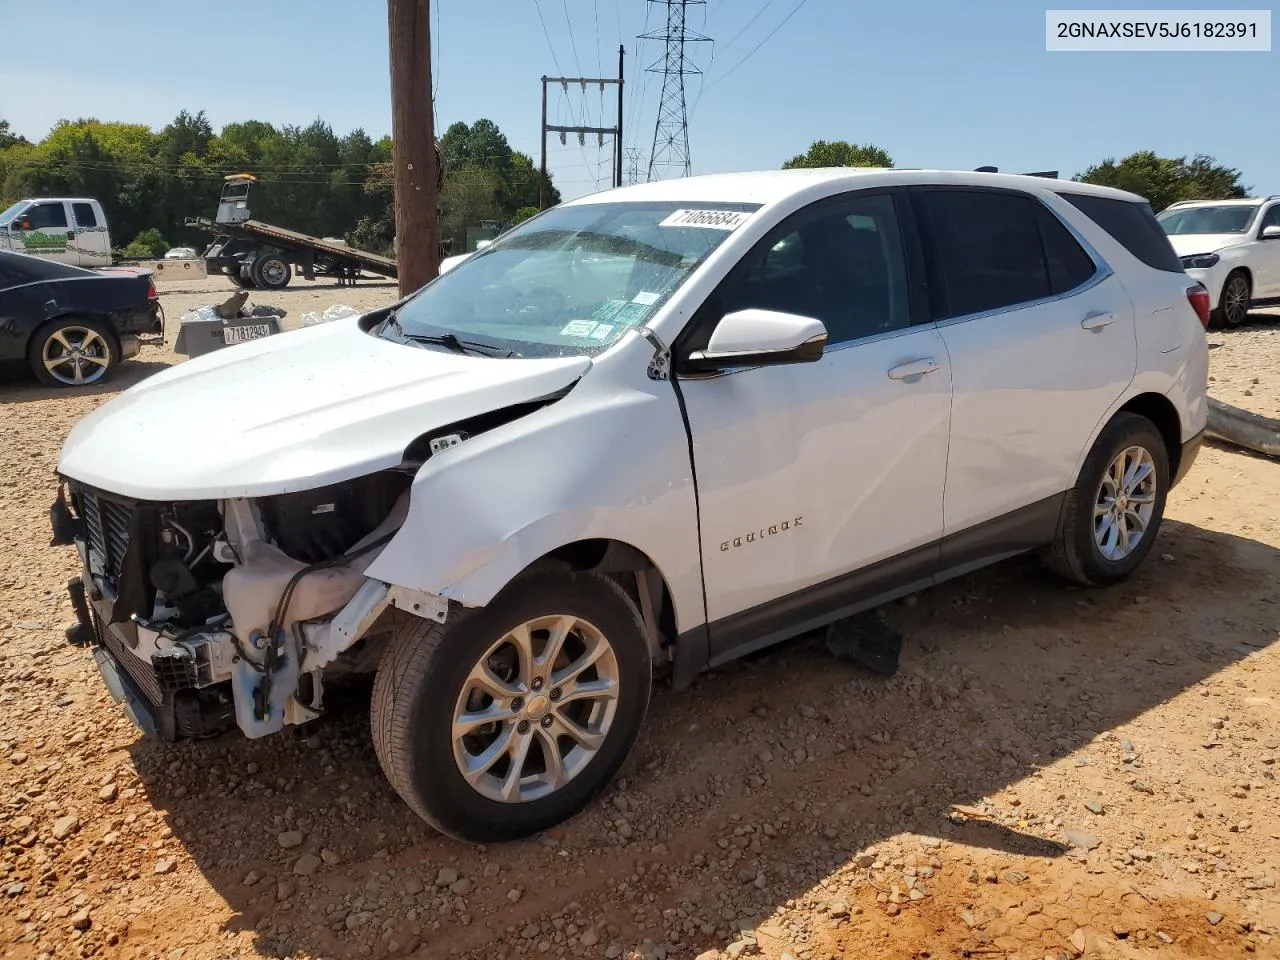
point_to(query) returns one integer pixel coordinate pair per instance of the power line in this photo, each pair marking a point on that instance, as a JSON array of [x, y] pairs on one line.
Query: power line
[[763, 7], [546, 33], [573, 45], [751, 52]]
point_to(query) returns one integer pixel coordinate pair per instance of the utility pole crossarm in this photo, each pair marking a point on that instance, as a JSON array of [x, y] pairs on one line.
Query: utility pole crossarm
[[614, 131], [554, 129]]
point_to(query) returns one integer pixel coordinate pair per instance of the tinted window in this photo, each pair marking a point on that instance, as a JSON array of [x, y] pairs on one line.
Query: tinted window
[[1131, 224], [1271, 218], [84, 215], [986, 250], [842, 264], [46, 215], [1069, 266]]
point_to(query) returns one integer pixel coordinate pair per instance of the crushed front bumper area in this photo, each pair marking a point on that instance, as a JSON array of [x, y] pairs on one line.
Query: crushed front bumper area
[[202, 675], [161, 699]]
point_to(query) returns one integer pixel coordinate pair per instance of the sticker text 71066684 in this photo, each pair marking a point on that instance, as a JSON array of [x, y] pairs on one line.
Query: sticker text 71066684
[[707, 219]]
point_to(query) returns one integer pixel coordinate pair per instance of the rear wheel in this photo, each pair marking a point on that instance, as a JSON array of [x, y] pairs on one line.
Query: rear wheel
[[73, 352], [506, 720], [245, 283], [1113, 514], [271, 272], [1233, 309]]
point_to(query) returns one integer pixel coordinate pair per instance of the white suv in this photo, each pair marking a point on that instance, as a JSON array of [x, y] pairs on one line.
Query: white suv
[[664, 425], [1233, 248]]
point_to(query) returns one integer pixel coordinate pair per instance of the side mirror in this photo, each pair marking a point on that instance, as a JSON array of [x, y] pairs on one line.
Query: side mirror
[[1271, 233], [752, 338]]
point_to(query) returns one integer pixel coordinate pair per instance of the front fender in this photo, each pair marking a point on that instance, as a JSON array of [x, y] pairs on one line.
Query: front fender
[[610, 461]]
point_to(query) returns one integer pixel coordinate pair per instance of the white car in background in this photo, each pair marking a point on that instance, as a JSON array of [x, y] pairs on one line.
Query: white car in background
[[665, 425], [1233, 248]]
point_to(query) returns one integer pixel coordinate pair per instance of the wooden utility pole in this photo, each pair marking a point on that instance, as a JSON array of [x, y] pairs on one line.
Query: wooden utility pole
[[412, 131]]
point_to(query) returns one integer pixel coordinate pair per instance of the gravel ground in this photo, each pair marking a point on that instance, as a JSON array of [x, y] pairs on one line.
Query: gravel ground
[[1052, 773]]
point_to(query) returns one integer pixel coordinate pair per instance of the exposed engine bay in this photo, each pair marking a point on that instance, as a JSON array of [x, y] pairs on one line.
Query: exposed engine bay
[[214, 614]]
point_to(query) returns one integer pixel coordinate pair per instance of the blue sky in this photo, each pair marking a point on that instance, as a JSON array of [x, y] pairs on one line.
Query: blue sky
[[935, 82]]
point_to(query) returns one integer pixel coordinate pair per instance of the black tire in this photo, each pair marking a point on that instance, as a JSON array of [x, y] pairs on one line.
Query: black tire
[[271, 271], [1075, 554], [244, 283], [422, 674], [62, 336], [1234, 301]]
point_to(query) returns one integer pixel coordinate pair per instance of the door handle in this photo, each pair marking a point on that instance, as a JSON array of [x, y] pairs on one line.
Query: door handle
[[1097, 319], [913, 368]]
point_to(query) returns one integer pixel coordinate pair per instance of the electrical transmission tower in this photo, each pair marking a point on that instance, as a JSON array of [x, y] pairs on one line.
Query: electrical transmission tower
[[670, 149], [633, 165]]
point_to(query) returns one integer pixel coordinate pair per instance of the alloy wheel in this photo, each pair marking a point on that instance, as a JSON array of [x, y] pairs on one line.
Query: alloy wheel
[[1235, 301], [535, 709], [1125, 502], [76, 356]]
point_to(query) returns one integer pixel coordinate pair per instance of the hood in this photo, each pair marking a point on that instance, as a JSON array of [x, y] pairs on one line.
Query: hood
[[1190, 244], [290, 412]]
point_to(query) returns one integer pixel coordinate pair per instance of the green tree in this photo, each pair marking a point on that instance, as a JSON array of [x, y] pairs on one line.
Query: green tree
[[469, 196], [523, 214], [309, 178], [840, 153], [9, 138], [1166, 180], [148, 245], [482, 145]]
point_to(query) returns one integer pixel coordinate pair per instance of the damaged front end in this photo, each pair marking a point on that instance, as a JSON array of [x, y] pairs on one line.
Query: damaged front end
[[207, 615]]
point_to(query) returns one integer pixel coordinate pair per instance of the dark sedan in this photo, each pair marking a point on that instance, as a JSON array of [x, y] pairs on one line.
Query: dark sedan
[[71, 326]]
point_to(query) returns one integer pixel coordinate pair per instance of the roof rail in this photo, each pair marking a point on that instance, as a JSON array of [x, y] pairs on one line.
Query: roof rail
[[1048, 174]]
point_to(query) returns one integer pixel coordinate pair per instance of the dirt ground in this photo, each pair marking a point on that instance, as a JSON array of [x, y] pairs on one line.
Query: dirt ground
[[1052, 773]]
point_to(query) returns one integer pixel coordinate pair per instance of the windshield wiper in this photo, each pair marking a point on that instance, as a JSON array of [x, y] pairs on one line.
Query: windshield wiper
[[453, 342], [449, 339]]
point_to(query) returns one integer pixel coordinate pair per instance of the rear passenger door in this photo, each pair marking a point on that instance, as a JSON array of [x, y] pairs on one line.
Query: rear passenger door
[[1041, 341]]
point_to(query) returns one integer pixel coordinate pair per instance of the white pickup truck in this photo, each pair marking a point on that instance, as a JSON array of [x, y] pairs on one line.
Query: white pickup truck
[[67, 229]]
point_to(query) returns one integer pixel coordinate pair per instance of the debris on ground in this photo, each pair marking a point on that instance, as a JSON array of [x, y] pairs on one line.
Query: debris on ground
[[338, 311], [867, 641]]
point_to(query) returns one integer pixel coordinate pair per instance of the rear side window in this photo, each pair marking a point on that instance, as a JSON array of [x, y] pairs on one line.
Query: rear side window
[[1132, 225], [986, 250], [1068, 264], [46, 215], [84, 215]]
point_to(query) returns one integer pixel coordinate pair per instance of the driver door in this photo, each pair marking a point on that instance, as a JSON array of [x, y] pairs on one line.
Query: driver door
[[47, 231], [820, 484]]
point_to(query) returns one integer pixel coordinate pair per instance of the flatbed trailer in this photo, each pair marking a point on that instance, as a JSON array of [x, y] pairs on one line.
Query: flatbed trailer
[[258, 255]]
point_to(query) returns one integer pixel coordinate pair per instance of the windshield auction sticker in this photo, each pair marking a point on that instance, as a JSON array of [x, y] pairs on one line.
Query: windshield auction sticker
[[708, 219]]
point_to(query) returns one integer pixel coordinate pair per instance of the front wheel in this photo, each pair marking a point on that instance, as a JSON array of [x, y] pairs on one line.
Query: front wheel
[[1237, 293], [507, 719], [1113, 514]]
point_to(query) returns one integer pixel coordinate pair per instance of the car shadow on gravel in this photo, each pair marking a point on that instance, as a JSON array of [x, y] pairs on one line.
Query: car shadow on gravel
[[744, 792], [19, 386]]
